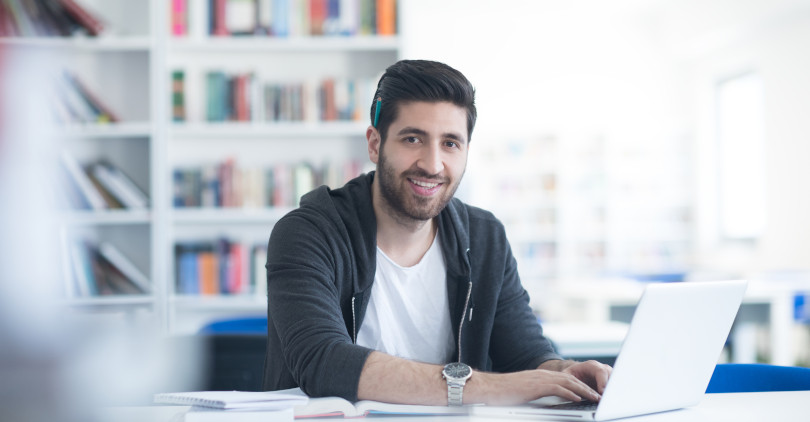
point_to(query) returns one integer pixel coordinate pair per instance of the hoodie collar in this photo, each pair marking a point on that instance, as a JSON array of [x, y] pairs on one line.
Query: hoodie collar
[[353, 202]]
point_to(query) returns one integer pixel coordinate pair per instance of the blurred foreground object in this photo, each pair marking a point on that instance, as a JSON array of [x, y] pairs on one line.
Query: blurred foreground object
[[32, 340], [56, 363]]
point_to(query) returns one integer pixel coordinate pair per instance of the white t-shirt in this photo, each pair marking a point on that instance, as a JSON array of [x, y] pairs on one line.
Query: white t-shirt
[[408, 314]]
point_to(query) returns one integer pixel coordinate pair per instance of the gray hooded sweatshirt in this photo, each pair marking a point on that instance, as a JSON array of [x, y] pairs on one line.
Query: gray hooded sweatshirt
[[321, 262]]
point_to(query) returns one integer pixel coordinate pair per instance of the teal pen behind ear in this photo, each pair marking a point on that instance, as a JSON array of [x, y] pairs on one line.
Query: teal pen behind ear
[[377, 111]]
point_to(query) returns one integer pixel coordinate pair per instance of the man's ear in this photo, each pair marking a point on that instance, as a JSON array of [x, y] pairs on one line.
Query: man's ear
[[374, 141]]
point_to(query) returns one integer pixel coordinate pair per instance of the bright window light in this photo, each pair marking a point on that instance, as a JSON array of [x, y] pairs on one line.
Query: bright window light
[[741, 156]]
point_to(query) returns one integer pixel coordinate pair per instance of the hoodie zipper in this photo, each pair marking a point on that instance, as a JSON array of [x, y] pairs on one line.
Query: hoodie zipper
[[354, 324], [466, 304]]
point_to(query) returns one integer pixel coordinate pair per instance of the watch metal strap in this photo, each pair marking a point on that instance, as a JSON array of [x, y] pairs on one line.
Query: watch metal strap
[[455, 392]]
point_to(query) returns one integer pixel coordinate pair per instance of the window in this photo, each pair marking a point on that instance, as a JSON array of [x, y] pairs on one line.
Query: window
[[741, 166]]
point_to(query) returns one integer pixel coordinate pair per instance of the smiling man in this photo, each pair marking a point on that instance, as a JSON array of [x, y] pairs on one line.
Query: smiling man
[[391, 289]]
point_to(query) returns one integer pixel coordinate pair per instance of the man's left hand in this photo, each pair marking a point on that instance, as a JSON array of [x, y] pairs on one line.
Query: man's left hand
[[590, 372]]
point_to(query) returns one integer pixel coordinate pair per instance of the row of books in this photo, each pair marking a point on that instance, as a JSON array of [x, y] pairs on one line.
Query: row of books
[[243, 97], [47, 18], [76, 103], [284, 18], [98, 185], [227, 185], [99, 269], [220, 267]]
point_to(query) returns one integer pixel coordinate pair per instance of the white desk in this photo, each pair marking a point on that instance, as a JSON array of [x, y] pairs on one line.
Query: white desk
[[739, 407]]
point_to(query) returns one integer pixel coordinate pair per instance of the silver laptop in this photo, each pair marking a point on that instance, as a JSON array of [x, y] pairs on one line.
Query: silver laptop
[[667, 359]]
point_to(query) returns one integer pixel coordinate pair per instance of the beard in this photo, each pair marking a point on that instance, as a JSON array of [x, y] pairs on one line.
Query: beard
[[402, 201]]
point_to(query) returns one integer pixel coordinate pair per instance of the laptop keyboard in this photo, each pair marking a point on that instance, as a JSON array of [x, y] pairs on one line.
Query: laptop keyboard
[[583, 405]]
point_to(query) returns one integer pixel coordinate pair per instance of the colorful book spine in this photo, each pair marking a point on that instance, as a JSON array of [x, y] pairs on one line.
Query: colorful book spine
[[23, 22], [109, 198], [80, 179], [178, 96], [236, 283], [368, 17], [92, 108], [331, 24], [119, 185], [264, 16], [188, 273], [31, 18], [241, 97], [218, 100], [218, 17], [258, 274], [386, 17], [89, 21], [209, 273], [281, 18], [83, 270], [318, 11], [328, 106], [123, 264], [179, 18], [65, 25]]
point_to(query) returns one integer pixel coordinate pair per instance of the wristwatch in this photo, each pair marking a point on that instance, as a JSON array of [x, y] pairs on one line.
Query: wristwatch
[[456, 374]]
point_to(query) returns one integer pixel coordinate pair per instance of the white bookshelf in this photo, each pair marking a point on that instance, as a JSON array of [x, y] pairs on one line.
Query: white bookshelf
[[129, 67], [213, 216], [301, 44], [107, 217], [580, 195], [137, 130], [115, 303], [258, 143], [119, 67], [267, 130], [82, 44]]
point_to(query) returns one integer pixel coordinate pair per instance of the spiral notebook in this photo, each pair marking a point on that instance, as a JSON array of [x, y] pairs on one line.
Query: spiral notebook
[[267, 400]]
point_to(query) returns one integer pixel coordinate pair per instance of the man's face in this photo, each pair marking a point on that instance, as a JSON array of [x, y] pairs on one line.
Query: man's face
[[423, 159]]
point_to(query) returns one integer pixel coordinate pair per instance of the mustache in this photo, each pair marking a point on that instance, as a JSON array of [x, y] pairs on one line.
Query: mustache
[[423, 175]]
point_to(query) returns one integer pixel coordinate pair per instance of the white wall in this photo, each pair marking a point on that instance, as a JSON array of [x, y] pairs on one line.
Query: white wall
[[543, 65], [640, 71], [777, 51]]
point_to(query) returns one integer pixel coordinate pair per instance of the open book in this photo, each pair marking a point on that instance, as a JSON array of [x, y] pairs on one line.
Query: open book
[[336, 406]]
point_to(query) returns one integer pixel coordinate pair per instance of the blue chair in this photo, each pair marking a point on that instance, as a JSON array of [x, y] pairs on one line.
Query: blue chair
[[753, 377], [234, 353], [246, 325]]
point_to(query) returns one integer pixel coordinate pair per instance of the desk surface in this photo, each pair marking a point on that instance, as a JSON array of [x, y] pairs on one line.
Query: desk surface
[[738, 407]]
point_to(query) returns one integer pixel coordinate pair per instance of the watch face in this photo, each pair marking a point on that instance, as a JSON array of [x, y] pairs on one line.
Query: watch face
[[457, 370]]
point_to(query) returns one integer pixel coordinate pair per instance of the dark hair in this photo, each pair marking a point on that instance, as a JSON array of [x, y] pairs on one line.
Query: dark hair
[[421, 80]]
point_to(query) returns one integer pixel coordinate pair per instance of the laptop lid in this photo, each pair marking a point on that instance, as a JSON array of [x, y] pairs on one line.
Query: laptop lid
[[667, 358], [675, 338]]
